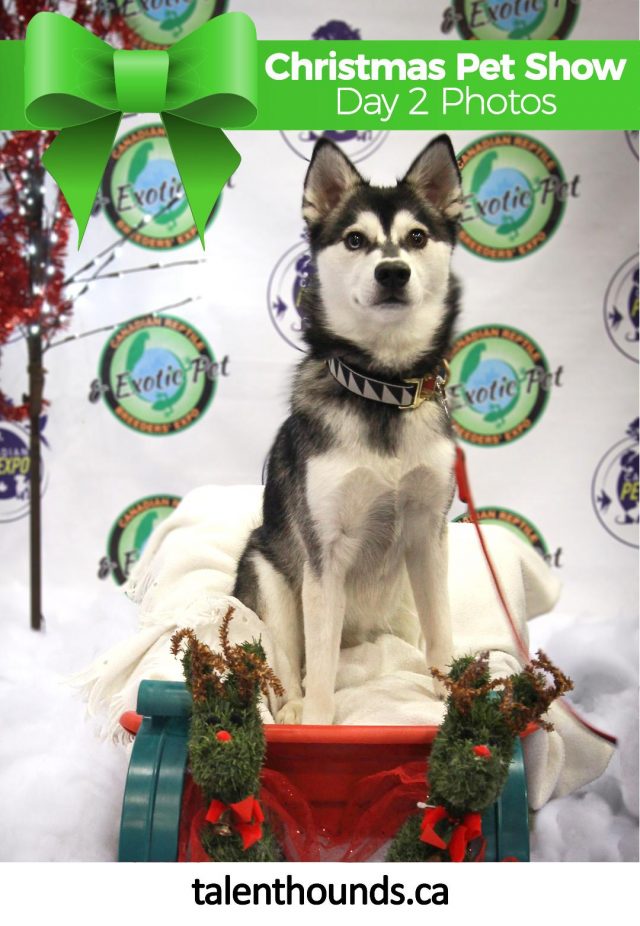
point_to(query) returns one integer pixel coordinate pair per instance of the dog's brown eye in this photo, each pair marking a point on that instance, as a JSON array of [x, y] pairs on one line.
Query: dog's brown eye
[[355, 240], [417, 238]]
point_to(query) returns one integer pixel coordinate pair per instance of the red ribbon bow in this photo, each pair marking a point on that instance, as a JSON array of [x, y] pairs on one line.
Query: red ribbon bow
[[469, 828], [246, 818]]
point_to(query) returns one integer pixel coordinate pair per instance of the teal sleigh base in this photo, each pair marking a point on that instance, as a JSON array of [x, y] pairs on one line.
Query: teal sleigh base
[[324, 763]]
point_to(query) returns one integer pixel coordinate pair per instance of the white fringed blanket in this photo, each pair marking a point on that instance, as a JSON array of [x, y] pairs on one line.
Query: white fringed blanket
[[186, 572]]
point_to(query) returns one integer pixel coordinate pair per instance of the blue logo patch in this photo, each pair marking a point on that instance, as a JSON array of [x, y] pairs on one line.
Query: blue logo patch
[[614, 491]]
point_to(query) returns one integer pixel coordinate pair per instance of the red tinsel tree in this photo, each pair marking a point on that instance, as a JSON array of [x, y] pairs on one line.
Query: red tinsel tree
[[35, 220], [35, 223], [33, 243]]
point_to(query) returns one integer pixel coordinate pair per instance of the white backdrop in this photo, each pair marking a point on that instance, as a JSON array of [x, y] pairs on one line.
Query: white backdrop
[[96, 467]]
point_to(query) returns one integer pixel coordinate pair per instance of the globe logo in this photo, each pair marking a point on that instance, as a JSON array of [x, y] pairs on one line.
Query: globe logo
[[147, 371], [507, 209], [514, 195], [499, 386], [512, 19], [160, 23], [142, 193], [492, 404], [170, 15], [157, 374], [130, 533], [517, 20], [155, 182], [512, 521]]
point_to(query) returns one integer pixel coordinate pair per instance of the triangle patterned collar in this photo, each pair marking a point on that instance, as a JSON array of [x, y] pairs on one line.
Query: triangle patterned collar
[[405, 394]]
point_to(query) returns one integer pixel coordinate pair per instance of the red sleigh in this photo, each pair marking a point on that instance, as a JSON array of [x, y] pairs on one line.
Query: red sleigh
[[332, 793]]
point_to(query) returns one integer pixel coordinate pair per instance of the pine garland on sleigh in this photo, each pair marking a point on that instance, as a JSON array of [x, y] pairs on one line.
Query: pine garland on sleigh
[[470, 757], [468, 765], [227, 744]]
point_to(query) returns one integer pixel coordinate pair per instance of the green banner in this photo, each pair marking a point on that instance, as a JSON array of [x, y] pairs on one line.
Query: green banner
[[448, 85], [412, 85], [219, 77]]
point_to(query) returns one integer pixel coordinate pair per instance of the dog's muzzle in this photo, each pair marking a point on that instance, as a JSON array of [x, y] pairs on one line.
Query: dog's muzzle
[[393, 275]]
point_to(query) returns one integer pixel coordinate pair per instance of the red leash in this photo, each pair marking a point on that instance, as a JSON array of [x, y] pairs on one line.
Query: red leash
[[464, 493]]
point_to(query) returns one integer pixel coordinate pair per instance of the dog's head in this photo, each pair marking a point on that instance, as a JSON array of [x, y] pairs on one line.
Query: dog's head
[[383, 254]]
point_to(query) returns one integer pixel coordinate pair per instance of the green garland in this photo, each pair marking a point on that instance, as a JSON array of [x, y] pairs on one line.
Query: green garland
[[471, 754], [227, 744]]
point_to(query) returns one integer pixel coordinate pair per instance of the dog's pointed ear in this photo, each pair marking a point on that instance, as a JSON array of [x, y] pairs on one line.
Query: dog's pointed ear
[[330, 176], [435, 176]]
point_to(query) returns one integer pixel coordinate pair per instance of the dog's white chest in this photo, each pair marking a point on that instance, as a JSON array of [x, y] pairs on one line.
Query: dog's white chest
[[363, 504]]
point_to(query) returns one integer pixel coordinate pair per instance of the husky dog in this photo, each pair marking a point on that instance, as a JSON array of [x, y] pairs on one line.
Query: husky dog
[[360, 476]]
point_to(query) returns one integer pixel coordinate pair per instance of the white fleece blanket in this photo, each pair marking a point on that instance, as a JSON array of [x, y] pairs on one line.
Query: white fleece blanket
[[186, 572]]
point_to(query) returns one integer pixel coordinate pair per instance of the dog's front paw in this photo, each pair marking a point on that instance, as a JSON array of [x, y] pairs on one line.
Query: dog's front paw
[[318, 712], [291, 712]]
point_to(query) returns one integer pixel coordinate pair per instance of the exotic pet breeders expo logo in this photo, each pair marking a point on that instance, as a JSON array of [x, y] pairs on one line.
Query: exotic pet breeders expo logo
[[511, 19], [157, 374], [130, 532], [500, 385], [515, 194], [614, 491], [517, 524], [142, 193], [159, 23]]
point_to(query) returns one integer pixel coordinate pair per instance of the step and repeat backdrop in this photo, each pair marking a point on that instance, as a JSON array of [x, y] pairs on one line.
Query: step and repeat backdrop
[[185, 380]]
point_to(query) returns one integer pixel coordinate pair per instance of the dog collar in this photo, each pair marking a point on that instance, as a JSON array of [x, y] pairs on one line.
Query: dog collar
[[404, 394]]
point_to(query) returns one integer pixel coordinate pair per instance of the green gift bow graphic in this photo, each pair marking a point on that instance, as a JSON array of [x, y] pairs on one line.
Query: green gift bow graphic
[[75, 82]]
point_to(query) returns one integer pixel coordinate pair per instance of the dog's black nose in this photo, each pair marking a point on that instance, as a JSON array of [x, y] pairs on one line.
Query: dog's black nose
[[393, 274]]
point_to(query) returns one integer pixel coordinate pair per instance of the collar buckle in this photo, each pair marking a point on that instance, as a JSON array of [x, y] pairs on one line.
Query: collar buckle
[[428, 386]]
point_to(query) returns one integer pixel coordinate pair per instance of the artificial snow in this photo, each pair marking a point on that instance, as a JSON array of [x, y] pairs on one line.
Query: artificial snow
[[61, 786]]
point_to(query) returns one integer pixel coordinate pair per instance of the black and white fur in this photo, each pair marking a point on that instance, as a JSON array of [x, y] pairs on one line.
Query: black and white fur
[[357, 492]]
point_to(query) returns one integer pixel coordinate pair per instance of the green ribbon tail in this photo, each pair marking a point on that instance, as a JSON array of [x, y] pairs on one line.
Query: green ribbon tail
[[205, 159], [76, 160]]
